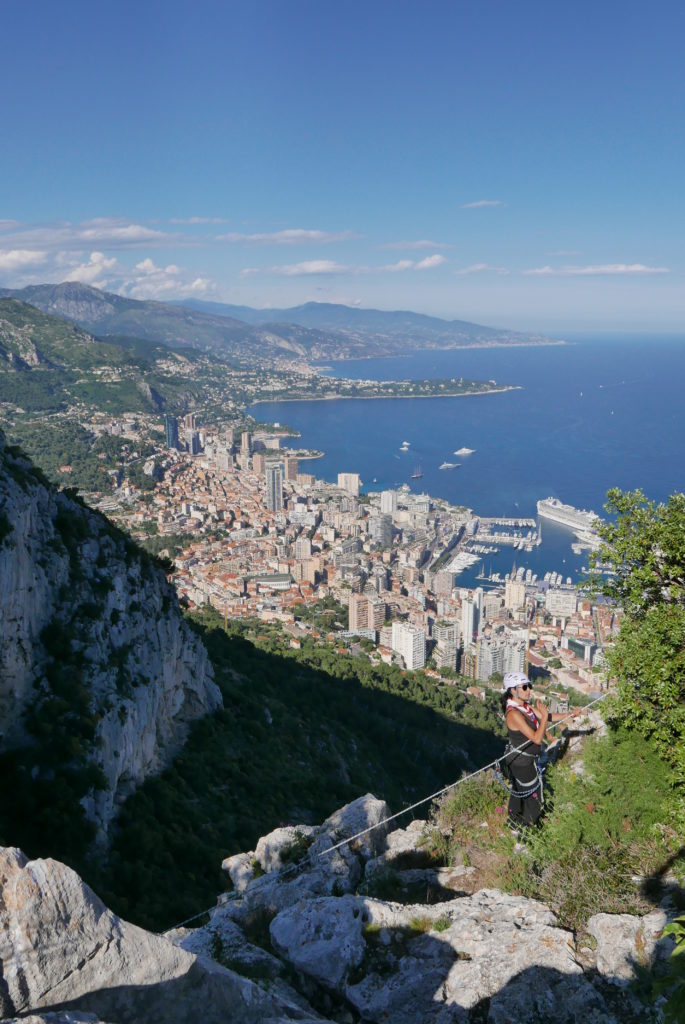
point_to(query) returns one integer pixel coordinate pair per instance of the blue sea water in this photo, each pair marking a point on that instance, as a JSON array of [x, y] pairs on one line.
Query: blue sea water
[[592, 414]]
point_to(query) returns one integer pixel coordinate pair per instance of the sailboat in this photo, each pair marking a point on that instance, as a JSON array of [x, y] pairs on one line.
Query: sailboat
[[417, 474]]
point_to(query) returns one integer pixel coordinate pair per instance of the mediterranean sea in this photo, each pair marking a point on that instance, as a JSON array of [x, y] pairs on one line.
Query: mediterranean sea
[[593, 414]]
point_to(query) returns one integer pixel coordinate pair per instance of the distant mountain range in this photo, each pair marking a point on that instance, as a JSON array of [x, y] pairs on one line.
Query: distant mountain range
[[313, 331]]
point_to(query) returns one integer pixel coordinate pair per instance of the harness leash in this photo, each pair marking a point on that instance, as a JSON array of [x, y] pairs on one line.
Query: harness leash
[[294, 869]]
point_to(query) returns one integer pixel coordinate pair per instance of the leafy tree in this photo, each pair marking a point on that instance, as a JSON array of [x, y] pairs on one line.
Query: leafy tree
[[644, 543]]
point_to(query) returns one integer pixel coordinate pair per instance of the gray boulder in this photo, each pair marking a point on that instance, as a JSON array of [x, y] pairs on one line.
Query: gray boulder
[[625, 942], [319, 871], [240, 868], [322, 938], [273, 849], [402, 964], [361, 814], [62, 949]]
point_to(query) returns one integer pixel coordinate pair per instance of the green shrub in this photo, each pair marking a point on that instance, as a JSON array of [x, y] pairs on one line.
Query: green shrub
[[297, 850], [644, 543], [673, 985], [602, 828]]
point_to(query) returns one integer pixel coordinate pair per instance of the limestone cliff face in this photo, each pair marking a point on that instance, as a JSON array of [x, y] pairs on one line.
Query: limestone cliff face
[[94, 651]]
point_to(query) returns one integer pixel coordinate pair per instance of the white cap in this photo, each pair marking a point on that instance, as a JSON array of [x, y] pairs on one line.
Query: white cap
[[513, 679]]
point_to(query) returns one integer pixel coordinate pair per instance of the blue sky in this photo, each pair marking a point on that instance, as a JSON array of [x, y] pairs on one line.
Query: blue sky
[[514, 164]]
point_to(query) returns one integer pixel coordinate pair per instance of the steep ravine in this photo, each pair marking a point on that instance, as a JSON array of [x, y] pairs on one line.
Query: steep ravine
[[99, 673]]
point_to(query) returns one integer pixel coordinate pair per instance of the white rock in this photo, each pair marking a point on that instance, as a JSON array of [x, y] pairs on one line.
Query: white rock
[[403, 847], [240, 869], [270, 848], [355, 817], [393, 965], [322, 871], [224, 942], [56, 1017], [61, 947], [322, 938], [625, 941]]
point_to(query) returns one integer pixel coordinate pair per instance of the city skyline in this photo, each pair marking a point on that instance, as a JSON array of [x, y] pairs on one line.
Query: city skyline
[[513, 167]]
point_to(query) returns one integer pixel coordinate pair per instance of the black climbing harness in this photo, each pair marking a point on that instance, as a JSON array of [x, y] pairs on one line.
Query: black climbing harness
[[504, 773]]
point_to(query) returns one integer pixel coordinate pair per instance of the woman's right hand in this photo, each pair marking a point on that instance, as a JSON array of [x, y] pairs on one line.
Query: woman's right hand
[[541, 709]]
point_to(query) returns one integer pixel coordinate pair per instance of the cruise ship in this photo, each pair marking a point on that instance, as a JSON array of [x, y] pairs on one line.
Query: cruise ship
[[576, 519]]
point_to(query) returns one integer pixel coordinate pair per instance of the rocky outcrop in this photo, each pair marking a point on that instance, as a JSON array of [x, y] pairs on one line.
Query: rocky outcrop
[[482, 956], [87, 618], [62, 950], [299, 863], [303, 939]]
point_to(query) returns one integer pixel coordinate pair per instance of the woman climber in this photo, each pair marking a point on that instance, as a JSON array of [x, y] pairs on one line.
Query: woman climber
[[526, 726]]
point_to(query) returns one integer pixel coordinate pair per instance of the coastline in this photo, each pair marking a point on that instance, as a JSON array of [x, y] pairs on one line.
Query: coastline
[[451, 348], [366, 398]]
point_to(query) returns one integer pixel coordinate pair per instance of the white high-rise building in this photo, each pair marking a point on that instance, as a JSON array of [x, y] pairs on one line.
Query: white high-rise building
[[515, 657], [349, 482], [500, 656], [410, 643], [303, 547], [561, 602], [471, 613], [380, 530], [388, 502], [446, 636], [490, 658], [514, 595]]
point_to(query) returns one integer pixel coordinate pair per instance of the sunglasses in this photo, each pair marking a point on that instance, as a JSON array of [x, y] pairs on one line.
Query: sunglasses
[[524, 686]]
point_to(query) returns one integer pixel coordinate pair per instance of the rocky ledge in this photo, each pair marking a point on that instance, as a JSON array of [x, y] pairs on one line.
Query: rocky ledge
[[305, 936]]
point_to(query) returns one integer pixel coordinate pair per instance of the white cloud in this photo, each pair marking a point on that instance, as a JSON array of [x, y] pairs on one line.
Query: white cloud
[[420, 243], [387, 268], [198, 220], [475, 268], [482, 202], [478, 268], [112, 234], [431, 261], [145, 280], [153, 282], [289, 236], [596, 270], [7, 225], [311, 267], [332, 267], [95, 272], [18, 259], [103, 232], [147, 266]]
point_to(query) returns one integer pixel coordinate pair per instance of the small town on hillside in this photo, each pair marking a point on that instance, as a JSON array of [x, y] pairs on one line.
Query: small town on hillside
[[255, 535]]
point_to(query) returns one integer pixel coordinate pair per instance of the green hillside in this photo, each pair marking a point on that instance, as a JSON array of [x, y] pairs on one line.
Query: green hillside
[[48, 365], [31, 339]]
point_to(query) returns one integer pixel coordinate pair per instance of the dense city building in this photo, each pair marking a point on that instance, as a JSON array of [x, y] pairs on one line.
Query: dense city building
[[410, 643], [171, 431], [274, 486]]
